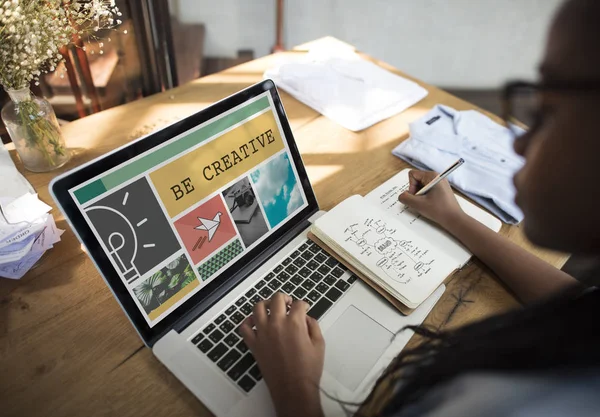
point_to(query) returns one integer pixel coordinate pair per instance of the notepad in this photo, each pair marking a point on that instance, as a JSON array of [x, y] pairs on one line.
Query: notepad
[[403, 256]]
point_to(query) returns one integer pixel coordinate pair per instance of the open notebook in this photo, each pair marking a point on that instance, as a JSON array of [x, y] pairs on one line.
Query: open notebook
[[403, 256]]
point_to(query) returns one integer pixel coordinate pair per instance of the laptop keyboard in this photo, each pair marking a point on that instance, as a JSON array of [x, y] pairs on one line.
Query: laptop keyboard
[[308, 274]]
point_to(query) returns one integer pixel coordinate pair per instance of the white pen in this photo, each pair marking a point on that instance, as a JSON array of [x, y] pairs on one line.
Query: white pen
[[441, 176]]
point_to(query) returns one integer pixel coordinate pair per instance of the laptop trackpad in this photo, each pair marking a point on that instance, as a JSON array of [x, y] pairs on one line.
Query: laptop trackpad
[[354, 343]]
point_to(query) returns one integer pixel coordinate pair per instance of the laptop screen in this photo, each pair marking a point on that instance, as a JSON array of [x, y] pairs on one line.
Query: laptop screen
[[170, 220]]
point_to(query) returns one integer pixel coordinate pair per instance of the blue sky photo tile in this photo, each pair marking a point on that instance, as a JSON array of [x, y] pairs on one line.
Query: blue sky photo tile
[[277, 188]]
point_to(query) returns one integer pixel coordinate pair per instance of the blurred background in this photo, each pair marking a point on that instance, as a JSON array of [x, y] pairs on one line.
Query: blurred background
[[467, 47], [457, 43]]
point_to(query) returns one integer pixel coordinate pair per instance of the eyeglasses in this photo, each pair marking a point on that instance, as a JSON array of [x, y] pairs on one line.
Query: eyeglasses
[[522, 101]]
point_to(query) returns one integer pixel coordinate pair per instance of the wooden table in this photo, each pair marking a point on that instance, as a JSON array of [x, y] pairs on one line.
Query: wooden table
[[67, 349]]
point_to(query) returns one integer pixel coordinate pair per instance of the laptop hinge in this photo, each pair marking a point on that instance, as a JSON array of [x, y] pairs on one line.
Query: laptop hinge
[[191, 316]]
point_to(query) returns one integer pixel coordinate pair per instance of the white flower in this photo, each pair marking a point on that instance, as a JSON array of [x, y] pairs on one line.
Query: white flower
[[33, 35]]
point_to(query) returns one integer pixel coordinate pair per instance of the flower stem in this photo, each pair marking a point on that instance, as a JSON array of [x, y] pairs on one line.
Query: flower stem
[[39, 132]]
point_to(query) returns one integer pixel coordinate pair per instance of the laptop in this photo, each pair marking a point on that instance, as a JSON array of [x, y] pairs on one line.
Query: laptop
[[190, 226]]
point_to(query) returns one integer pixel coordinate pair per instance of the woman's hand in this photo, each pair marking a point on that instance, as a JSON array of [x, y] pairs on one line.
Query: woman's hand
[[290, 351], [439, 204]]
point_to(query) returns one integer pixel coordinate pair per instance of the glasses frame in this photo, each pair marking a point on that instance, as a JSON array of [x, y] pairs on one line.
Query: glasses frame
[[515, 87]]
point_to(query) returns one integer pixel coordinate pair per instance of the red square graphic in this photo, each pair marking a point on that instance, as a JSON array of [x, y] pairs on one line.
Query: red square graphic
[[205, 229]]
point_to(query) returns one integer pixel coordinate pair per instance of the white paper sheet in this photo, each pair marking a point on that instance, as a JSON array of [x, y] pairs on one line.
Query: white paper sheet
[[16, 270], [346, 88], [25, 254], [13, 184], [18, 250], [25, 208], [14, 233], [26, 230]]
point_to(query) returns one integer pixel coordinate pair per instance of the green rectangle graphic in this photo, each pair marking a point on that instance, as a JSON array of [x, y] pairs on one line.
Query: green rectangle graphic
[[90, 191], [218, 261]]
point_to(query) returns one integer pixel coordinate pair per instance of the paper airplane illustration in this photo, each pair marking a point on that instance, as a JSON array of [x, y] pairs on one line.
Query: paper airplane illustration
[[210, 226]]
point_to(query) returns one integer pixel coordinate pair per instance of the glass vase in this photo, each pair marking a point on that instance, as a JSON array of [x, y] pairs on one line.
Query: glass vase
[[33, 128]]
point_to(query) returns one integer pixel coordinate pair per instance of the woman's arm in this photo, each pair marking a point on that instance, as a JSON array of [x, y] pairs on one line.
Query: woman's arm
[[528, 276], [290, 352]]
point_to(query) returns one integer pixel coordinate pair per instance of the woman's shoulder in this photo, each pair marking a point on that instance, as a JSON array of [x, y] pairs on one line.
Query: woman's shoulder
[[533, 394]]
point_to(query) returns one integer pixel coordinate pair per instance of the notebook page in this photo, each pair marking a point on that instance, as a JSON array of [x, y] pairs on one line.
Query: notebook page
[[401, 259], [386, 196]]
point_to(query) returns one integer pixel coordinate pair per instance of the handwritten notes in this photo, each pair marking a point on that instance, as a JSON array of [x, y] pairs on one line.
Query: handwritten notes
[[386, 198], [383, 249], [389, 200], [400, 260], [390, 244]]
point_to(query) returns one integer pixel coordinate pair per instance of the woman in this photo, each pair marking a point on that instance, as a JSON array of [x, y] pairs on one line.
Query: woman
[[539, 361]]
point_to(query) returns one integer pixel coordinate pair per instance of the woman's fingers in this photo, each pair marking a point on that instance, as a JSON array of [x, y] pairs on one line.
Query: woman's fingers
[[278, 304], [299, 309], [314, 331], [247, 333], [413, 182], [418, 179], [260, 314]]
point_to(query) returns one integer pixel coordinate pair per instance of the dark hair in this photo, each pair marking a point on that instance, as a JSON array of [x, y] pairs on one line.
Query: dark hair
[[561, 334]]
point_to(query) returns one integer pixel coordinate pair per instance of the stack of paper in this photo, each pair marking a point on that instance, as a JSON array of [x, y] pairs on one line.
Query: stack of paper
[[27, 230], [345, 88]]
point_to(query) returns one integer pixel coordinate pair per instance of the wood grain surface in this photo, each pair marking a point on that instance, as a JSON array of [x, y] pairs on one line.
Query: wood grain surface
[[67, 349]]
